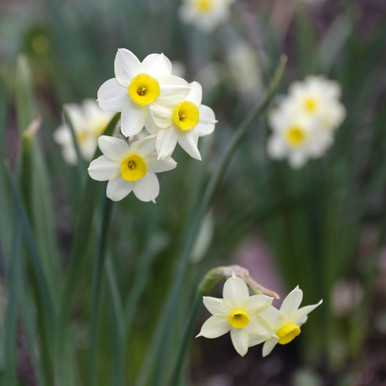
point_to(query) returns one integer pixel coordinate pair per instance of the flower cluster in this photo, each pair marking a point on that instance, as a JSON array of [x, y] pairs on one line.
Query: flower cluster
[[205, 14], [89, 122], [148, 97], [252, 320], [304, 122]]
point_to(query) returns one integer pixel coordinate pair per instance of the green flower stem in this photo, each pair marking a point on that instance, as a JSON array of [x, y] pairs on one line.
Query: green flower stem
[[187, 336], [165, 327], [96, 290], [119, 327]]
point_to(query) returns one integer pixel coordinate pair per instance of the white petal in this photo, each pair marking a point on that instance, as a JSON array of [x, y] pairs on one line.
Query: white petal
[[150, 125], [301, 314], [207, 114], [114, 149], [297, 159], [144, 147], [133, 119], [257, 303], [195, 94], [216, 306], [214, 327], [291, 303], [272, 316], [173, 90], [147, 188], [112, 96], [258, 330], [162, 115], [126, 67], [268, 346], [102, 169], [240, 340], [188, 141], [203, 129], [118, 188], [166, 142], [157, 65], [276, 147], [235, 291], [158, 166]]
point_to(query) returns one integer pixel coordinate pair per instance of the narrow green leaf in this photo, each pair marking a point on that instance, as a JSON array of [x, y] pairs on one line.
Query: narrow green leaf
[[10, 322], [43, 297]]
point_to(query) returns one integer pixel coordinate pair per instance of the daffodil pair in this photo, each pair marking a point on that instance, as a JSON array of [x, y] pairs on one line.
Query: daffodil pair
[[252, 320], [304, 122], [158, 110]]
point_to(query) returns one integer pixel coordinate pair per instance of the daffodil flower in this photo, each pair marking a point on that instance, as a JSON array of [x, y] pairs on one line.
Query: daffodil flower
[[237, 313], [205, 14], [295, 135], [137, 86], [318, 97], [183, 122], [89, 122], [285, 322], [129, 168]]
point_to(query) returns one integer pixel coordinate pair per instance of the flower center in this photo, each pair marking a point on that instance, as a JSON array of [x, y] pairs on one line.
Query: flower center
[[295, 136], [310, 105], [144, 89], [186, 115], [288, 332], [203, 5], [133, 167], [239, 319]]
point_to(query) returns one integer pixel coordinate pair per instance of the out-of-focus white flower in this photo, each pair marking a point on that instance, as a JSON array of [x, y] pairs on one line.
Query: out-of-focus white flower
[[318, 97], [205, 14], [304, 122], [137, 86], [242, 59], [183, 122], [295, 136], [89, 122], [129, 168], [237, 313], [285, 322]]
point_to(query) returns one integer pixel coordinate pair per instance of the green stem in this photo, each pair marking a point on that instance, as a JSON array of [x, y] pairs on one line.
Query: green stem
[[119, 331], [187, 336], [164, 329], [96, 290]]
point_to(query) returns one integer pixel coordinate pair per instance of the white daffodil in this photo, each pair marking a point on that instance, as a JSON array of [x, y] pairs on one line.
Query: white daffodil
[[239, 314], [129, 168], [183, 122], [137, 86], [205, 14], [318, 98], [89, 122], [295, 136], [285, 322]]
